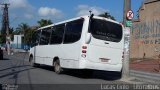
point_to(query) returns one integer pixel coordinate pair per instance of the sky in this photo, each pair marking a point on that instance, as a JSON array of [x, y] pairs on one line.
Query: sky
[[31, 11]]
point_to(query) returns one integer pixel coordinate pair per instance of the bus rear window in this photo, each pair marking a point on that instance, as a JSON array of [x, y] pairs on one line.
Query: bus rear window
[[105, 30]]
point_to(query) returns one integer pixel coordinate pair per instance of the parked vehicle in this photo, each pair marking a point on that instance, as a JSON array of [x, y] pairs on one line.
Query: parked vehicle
[[1, 54]]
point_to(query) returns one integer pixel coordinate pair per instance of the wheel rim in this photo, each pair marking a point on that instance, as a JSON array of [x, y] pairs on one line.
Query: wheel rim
[[31, 61], [57, 67]]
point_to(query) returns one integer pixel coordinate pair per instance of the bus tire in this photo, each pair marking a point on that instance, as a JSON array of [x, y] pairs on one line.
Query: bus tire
[[31, 61], [57, 67], [1, 54], [120, 74], [1, 57]]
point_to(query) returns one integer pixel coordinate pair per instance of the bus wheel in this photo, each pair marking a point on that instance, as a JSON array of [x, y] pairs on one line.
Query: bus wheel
[[31, 61], [57, 67]]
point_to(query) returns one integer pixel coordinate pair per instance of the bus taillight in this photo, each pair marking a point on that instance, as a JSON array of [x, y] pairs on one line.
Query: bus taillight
[[84, 51], [122, 56], [84, 47], [83, 55]]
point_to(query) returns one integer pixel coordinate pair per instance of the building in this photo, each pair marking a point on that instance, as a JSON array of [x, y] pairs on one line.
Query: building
[[145, 33], [17, 42]]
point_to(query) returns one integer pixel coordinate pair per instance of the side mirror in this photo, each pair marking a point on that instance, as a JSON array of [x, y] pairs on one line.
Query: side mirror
[[88, 38]]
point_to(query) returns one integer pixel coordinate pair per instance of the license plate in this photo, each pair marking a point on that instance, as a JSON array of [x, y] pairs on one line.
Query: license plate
[[104, 59]]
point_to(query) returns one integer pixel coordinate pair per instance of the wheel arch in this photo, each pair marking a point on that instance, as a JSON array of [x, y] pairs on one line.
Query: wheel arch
[[31, 55], [56, 58]]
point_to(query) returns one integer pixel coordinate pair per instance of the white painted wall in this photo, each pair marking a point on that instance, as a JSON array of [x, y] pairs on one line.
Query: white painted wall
[[17, 42]]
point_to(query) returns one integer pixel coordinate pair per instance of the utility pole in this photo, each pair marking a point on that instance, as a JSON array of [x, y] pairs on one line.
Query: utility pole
[[5, 26], [126, 8], [125, 69]]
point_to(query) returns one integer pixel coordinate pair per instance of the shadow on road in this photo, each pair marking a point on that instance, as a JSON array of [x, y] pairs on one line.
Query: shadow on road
[[5, 59], [15, 72], [45, 67], [13, 67], [97, 74]]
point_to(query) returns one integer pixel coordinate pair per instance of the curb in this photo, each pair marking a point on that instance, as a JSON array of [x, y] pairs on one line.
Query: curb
[[132, 80], [146, 76], [19, 50]]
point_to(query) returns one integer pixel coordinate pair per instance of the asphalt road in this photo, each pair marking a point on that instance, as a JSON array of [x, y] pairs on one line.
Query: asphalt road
[[15, 69]]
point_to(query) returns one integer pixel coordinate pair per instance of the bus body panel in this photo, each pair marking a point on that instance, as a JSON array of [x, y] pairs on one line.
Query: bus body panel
[[104, 53], [70, 55], [99, 50], [48, 52], [39, 55], [100, 54], [86, 64]]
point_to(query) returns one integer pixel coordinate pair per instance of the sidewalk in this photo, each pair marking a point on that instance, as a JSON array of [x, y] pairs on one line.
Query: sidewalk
[[147, 65], [19, 50], [145, 70]]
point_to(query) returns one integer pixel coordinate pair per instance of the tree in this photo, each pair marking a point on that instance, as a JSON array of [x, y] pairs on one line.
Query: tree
[[11, 33], [3, 35], [28, 36], [23, 29], [107, 15], [1, 39], [44, 22]]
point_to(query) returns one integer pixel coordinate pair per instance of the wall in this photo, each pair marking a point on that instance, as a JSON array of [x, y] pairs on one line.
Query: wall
[[145, 35], [17, 42]]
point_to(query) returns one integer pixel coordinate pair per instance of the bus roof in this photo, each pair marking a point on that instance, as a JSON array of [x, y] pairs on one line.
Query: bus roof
[[97, 17]]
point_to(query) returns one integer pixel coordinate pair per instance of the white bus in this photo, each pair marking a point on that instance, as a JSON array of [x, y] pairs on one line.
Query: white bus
[[87, 42]]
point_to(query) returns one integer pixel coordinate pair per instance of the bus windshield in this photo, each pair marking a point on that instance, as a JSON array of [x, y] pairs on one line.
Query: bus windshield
[[106, 30]]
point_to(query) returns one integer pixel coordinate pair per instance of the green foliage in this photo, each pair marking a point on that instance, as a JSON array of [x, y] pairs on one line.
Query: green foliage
[[1, 39], [11, 33], [24, 29], [28, 36], [107, 15], [27, 31], [3, 35], [44, 22]]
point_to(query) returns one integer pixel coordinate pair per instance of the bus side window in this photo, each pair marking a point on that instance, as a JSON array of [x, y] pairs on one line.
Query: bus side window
[[45, 36], [73, 31], [35, 38], [57, 34]]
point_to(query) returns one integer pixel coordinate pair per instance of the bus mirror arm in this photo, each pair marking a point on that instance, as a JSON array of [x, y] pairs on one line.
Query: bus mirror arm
[[88, 38]]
